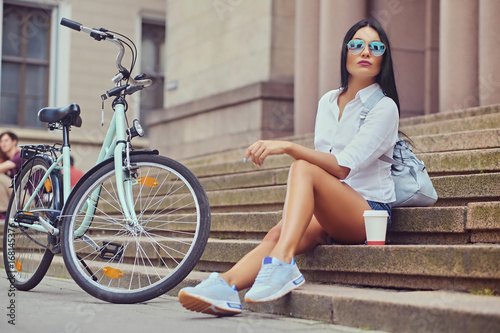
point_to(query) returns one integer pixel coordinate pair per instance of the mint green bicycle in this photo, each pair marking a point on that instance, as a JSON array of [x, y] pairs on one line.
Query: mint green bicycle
[[131, 229]]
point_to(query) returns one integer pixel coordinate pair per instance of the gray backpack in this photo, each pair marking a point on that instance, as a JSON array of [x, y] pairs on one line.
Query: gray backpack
[[412, 183]]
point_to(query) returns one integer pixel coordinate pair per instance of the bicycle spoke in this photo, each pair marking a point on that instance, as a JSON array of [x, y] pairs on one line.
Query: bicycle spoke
[[149, 254]]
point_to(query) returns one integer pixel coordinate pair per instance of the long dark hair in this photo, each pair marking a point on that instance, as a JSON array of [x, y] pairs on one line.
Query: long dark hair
[[386, 76]]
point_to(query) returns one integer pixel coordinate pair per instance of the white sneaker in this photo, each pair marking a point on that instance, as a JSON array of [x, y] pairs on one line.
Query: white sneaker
[[213, 296], [275, 279]]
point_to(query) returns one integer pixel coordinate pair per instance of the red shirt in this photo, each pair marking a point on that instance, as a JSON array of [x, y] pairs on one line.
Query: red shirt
[[76, 174], [18, 162]]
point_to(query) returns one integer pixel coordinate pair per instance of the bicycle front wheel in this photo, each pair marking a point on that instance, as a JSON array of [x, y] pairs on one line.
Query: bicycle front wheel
[[26, 248], [123, 261]]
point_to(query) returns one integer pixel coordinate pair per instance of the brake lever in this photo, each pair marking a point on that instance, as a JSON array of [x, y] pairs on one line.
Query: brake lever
[[132, 89]]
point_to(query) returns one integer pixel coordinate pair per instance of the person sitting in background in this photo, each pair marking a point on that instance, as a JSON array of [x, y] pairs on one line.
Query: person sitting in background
[[8, 168], [3, 157]]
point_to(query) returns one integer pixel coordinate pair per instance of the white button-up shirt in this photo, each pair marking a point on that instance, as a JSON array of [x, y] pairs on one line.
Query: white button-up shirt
[[359, 147]]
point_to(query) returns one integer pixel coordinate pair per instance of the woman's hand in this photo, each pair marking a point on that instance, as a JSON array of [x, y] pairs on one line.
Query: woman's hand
[[263, 148], [328, 162]]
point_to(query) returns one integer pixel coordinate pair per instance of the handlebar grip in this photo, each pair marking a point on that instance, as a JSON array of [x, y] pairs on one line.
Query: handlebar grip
[[71, 24]]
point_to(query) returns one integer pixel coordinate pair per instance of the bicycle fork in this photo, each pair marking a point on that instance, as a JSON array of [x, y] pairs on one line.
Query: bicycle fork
[[123, 175]]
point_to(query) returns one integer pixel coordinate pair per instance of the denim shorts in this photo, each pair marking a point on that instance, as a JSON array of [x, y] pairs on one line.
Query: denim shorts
[[374, 205]]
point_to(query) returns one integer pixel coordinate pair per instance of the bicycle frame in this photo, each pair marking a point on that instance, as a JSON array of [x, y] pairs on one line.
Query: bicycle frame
[[114, 145]]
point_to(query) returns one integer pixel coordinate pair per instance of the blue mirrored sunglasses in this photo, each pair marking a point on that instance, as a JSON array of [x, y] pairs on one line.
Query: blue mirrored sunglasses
[[355, 46]]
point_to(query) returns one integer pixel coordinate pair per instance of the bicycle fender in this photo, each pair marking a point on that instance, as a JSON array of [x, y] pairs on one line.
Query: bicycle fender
[[89, 173]]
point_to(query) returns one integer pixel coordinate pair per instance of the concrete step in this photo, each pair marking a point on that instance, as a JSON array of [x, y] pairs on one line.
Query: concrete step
[[266, 198], [474, 223], [375, 309], [468, 143], [461, 189], [474, 123], [483, 139], [241, 180], [462, 162], [369, 308], [238, 167], [483, 219], [427, 267], [275, 168], [478, 222], [236, 154], [452, 190], [435, 132], [409, 225], [443, 116], [424, 267]]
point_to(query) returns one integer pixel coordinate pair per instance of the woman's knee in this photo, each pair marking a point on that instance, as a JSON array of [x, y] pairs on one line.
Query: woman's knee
[[273, 235], [301, 168]]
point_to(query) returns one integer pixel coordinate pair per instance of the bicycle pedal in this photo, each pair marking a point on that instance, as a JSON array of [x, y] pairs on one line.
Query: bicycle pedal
[[26, 217], [113, 253]]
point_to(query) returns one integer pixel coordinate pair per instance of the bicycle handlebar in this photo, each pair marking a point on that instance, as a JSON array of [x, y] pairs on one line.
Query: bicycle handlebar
[[102, 34], [97, 34], [71, 24]]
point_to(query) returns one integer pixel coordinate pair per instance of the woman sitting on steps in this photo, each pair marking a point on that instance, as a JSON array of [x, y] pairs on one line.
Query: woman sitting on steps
[[328, 188]]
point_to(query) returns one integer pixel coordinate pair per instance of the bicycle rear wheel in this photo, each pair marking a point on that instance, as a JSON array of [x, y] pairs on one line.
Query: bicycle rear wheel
[[122, 263], [25, 250]]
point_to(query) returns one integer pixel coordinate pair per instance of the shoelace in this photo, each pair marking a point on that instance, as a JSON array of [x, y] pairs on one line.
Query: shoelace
[[265, 272], [213, 281], [210, 282]]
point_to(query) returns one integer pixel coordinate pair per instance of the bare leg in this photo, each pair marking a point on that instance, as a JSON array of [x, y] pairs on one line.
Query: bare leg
[[244, 272], [337, 207], [317, 203]]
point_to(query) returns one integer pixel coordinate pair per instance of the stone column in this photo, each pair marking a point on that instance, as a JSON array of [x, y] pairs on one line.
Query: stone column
[[431, 93], [489, 50], [458, 57], [306, 65], [336, 17]]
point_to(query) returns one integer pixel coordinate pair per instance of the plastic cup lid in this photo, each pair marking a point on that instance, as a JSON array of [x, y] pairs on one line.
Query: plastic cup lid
[[375, 213]]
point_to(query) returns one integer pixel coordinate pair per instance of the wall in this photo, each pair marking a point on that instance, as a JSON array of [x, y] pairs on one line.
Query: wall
[[229, 75]]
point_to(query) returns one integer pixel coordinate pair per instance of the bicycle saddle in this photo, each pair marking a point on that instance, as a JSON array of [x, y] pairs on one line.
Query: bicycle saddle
[[68, 115]]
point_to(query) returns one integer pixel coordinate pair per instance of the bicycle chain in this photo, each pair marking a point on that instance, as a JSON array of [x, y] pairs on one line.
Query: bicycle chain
[[31, 238]]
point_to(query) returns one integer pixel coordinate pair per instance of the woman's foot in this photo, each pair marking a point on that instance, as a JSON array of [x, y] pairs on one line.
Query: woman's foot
[[212, 296], [275, 279]]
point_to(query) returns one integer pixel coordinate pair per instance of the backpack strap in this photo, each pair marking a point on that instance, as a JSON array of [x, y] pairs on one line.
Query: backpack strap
[[393, 161], [370, 104]]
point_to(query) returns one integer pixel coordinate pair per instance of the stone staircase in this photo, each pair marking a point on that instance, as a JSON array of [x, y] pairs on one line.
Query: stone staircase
[[440, 271], [438, 257]]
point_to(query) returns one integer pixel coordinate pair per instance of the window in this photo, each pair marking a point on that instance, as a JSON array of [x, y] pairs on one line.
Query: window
[[25, 64], [152, 63]]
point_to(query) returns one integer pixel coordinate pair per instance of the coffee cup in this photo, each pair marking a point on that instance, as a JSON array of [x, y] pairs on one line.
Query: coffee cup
[[375, 226]]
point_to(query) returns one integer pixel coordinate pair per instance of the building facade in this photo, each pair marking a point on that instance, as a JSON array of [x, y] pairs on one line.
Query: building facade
[[45, 64], [240, 70], [230, 72]]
